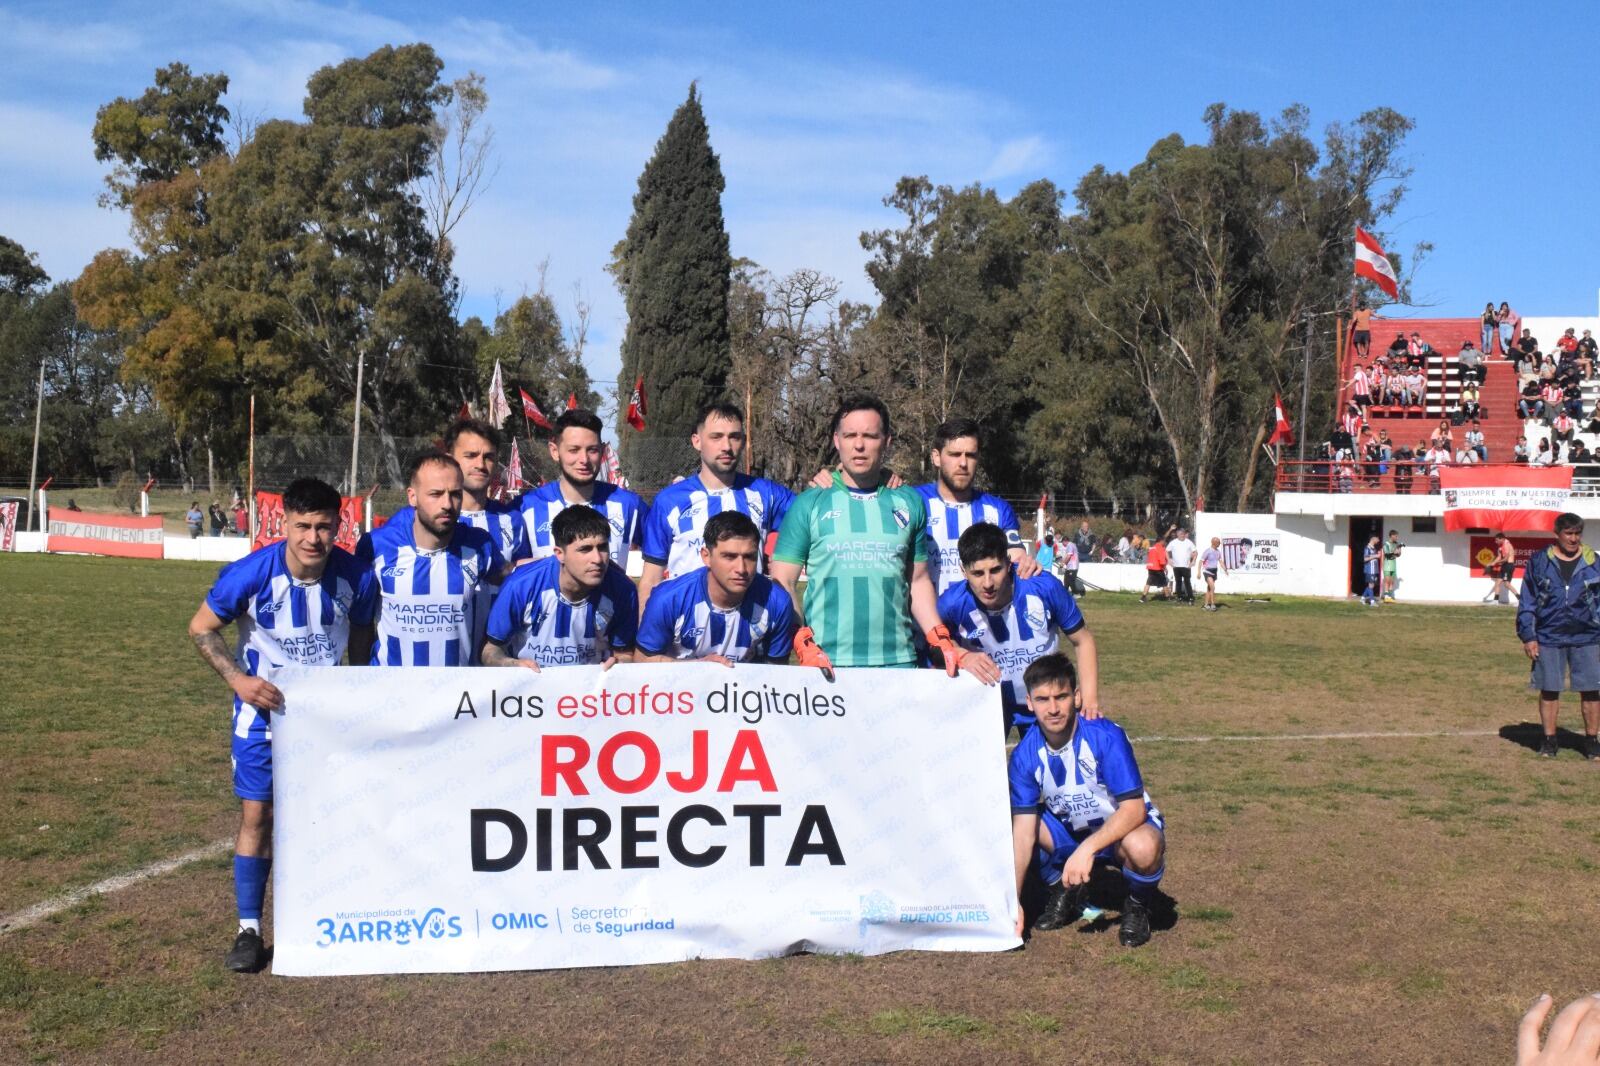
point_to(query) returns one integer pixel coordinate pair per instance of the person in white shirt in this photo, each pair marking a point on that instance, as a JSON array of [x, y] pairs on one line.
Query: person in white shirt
[[1466, 456], [1180, 553]]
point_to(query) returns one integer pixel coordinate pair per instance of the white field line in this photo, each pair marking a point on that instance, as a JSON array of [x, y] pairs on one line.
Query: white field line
[[39, 912]]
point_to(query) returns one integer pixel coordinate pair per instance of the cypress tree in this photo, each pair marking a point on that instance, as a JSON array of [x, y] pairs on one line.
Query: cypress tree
[[674, 270]]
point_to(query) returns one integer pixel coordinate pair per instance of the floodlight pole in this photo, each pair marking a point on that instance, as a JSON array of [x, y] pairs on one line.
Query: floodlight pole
[[33, 468]]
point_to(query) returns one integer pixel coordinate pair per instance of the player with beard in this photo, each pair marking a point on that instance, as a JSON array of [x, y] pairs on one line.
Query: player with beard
[[724, 611], [954, 506], [475, 446], [672, 537], [576, 447], [294, 602], [428, 572]]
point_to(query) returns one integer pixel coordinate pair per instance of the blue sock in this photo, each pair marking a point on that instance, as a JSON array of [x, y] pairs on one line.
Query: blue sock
[[1142, 887], [250, 885]]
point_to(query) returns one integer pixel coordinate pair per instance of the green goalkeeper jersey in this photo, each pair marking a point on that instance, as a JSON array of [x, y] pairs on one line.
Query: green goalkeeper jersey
[[858, 549]]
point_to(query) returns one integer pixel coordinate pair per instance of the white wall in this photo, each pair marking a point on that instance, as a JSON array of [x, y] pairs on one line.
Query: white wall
[[1547, 329], [206, 549]]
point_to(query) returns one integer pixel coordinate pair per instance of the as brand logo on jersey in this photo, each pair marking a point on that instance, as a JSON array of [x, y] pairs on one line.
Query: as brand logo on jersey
[[829, 516], [267, 609], [689, 636], [390, 572]]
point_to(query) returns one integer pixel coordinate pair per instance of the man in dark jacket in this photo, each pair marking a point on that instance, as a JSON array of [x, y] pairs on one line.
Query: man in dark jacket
[[1558, 622]]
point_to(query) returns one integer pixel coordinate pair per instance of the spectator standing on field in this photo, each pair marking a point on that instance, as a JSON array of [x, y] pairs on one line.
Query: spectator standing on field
[[1155, 571], [1180, 553], [1210, 564], [1371, 564], [1558, 622], [219, 520], [195, 519], [1069, 557], [1046, 555], [1502, 569]]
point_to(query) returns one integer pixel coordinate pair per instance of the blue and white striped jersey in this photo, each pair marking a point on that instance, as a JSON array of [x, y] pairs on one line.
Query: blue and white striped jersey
[[946, 523], [677, 518], [1027, 628], [1083, 781], [284, 622], [623, 509], [426, 599], [681, 621], [503, 522], [531, 619]]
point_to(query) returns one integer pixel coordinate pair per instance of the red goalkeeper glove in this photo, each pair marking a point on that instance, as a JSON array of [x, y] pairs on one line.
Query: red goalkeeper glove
[[809, 653], [939, 638]]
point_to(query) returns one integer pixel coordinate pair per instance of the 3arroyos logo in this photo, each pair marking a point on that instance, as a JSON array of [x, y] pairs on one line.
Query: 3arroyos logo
[[398, 927]]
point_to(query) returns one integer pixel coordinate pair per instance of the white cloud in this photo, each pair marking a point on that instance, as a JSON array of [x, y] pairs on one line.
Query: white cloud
[[42, 146], [82, 41], [1017, 157], [480, 43]]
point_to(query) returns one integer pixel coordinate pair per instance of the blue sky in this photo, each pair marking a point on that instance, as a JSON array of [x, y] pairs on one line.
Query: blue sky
[[817, 108]]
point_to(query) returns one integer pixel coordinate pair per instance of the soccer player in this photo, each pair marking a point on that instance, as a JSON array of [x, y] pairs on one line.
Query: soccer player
[[1371, 565], [954, 506], [1560, 631], [428, 572], [475, 446], [1009, 621], [1210, 562], [576, 447], [576, 608], [1076, 796], [723, 611], [671, 539], [1391, 565], [294, 602], [862, 546]]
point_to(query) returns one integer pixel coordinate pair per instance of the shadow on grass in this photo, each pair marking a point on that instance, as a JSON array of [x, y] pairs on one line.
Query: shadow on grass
[[1530, 734], [1107, 892]]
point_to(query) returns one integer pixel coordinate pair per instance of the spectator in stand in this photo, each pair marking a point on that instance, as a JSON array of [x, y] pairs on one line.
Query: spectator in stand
[[1519, 451], [1509, 321], [1372, 452], [1573, 400], [1474, 438], [1552, 398], [1361, 330], [1437, 456], [1466, 456], [1360, 389], [1350, 421], [241, 520], [1470, 363], [1568, 344], [1416, 387], [1443, 434], [1344, 444], [1527, 353], [1588, 354], [1560, 630], [1563, 429], [1398, 350], [1378, 378], [1404, 467], [1467, 402], [1155, 571], [1491, 325], [1578, 454], [195, 519], [1502, 569], [1529, 405], [1125, 546], [1139, 546], [1086, 540], [1371, 568], [1542, 457], [1416, 350], [1180, 553], [1345, 475]]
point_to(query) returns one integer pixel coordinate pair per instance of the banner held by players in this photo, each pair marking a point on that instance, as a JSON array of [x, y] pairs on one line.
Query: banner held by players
[[450, 820]]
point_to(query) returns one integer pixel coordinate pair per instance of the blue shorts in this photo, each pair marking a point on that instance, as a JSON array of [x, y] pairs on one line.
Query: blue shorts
[[1570, 669], [1066, 842], [252, 767]]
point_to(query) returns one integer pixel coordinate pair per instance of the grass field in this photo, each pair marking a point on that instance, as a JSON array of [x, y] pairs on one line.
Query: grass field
[[1367, 899]]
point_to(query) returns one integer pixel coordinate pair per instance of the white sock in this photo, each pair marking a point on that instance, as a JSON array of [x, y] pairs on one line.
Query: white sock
[[252, 924]]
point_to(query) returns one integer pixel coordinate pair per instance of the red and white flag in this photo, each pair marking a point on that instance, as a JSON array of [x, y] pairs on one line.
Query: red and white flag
[[1282, 432], [531, 412], [635, 414], [466, 410], [611, 469], [1373, 265], [499, 407], [572, 401], [514, 480]]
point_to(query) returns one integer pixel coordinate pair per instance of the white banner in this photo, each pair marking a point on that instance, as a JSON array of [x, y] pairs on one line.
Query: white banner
[[1251, 554], [461, 819]]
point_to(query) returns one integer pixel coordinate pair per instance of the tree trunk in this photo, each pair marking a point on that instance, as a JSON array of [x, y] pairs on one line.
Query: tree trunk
[[211, 468], [1250, 470]]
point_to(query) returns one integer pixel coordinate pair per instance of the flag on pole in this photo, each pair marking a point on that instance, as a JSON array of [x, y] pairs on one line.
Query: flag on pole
[[611, 469], [1373, 265], [466, 410], [513, 473], [572, 401], [636, 405], [499, 407], [531, 412], [1282, 432]]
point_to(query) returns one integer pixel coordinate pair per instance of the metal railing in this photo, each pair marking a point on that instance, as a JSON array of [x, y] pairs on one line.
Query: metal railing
[[1415, 477]]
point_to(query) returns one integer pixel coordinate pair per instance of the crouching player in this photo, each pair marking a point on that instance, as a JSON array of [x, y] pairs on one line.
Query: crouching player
[[575, 608], [1076, 796], [724, 612], [1006, 621], [294, 603]]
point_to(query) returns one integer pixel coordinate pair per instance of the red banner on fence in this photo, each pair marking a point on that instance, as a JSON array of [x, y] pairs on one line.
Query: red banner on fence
[[8, 524], [92, 533], [269, 520], [1481, 553], [1504, 496]]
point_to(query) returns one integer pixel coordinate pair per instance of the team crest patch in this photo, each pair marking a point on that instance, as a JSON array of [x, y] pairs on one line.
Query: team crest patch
[[1035, 616], [902, 517]]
